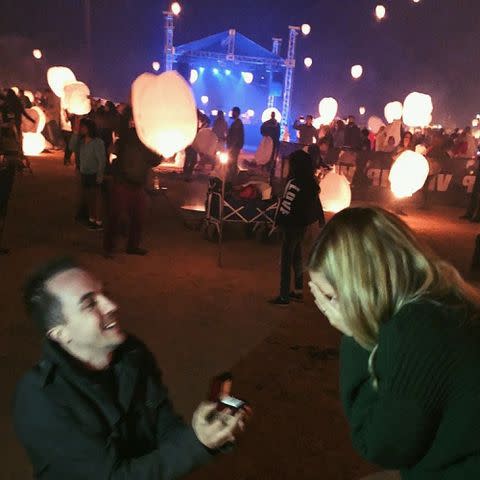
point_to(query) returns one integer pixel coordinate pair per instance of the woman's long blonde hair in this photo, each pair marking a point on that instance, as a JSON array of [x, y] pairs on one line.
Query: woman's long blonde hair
[[376, 264]]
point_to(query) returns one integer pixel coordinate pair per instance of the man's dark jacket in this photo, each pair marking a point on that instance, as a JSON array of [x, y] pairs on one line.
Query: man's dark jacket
[[72, 429]]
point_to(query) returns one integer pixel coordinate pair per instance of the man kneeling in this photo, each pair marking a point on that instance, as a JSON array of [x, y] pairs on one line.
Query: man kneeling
[[95, 406]]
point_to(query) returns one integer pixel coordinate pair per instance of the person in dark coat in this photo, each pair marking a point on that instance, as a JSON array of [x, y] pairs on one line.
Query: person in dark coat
[[130, 172], [271, 128], [95, 407], [300, 207], [308, 133], [235, 142]]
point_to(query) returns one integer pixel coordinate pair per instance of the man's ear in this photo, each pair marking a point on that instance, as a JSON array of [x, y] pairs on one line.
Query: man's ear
[[59, 334]]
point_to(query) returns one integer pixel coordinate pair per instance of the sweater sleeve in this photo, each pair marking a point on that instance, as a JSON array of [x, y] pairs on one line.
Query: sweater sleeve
[[394, 424]]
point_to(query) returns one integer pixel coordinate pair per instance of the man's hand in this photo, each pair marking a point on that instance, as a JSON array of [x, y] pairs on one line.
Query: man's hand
[[215, 429]]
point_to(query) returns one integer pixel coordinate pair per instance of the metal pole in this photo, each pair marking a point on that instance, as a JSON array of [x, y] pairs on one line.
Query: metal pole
[[277, 42], [169, 48]]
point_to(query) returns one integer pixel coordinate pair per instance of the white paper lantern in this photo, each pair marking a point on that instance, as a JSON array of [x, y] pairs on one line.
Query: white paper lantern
[[193, 76], [264, 151], [375, 124], [206, 142], [408, 174], [77, 98], [306, 29], [156, 66], [308, 62], [357, 71], [16, 90], [40, 120], [30, 95], [417, 110], [164, 111], [335, 192], [58, 77], [176, 8], [393, 111], [37, 53], [328, 108], [33, 143], [380, 12], [362, 110], [247, 77], [267, 114]]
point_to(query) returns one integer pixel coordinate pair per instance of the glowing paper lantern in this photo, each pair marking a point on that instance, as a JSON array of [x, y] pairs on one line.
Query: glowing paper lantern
[[306, 29], [40, 120], [77, 98], [408, 174], [164, 111], [393, 111], [193, 76], [250, 113], [375, 124], [357, 71], [328, 108], [335, 192], [16, 90], [206, 142], [308, 62], [37, 54], [33, 143], [417, 110], [204, 99], [264, 151], [176, 8], [58, 77], [267, 114], [380, 12], [317, 122], [30, 95], [247, 77], [362, 110], [156, 66]]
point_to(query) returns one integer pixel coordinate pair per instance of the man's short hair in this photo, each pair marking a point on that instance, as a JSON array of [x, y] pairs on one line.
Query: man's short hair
[[43, 306], [309, 117], [236, 109]]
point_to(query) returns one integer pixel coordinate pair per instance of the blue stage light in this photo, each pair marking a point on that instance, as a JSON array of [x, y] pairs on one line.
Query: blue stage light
[[228, 72], [215, 71], [201, 69]]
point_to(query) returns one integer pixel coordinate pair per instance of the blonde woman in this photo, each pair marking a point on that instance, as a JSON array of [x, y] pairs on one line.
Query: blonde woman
[[410, 355]]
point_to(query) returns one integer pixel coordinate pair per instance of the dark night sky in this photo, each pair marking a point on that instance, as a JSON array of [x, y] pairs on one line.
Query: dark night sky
[[432, 47]]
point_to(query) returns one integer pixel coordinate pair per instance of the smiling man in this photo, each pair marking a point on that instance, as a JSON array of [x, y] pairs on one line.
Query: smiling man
[[95, 407]]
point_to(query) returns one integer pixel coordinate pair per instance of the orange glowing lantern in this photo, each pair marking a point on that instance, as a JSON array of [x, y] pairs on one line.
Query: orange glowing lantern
[[33, 143], [77, 98], [164, 111], [335, 192], [58, 77], [408, 174]]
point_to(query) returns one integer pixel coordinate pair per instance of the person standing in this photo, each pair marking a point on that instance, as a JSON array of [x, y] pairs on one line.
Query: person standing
[[130, 172], [91, 160], [308, 133], [95, 405], [271, 128], [191, 155], [300, 207], [353, 135], [235, 142], [220, 128], [409, 355], [66, 126]]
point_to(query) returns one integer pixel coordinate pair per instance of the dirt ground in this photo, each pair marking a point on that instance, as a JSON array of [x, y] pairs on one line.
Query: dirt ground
[[200, 320]]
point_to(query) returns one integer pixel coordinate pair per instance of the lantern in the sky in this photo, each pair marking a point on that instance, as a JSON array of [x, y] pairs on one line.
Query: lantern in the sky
[[408, 174], [335, 192], [77, 98], [356, 71], [306, 29], [37, 53], [393, 111], [380, 12], [375, 124], [176, 8], [362, 110], [267, 114], [164, 111], [308, 62], [156, 66], [328, 108], [417, 110], [58, 77], [33, 143]]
